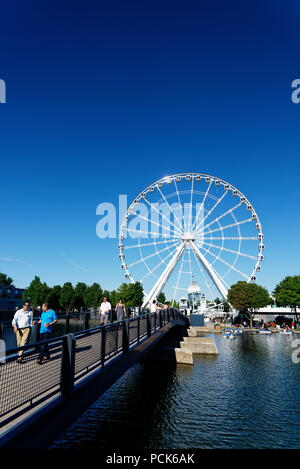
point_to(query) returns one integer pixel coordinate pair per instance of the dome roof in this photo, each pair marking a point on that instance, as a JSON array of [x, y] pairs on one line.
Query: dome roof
[[194, 288]]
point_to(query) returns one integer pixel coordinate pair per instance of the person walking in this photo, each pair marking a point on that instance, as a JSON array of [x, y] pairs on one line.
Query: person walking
[[153, 307], [47, 321], [120, 310], [104, 311], [22, 324]]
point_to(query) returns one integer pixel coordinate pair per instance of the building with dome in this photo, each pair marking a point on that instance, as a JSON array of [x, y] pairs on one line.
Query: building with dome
[[194, 295]]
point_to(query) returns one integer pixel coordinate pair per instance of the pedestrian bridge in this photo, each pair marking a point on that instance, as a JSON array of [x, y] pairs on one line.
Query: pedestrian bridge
[[82, 367]]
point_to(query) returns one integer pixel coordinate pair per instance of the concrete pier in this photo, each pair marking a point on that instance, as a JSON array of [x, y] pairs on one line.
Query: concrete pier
[[184, 356], [198, 330], [199, 345]]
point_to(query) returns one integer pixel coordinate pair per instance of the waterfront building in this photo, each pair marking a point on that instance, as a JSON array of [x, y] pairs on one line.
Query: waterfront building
[[10, 297]]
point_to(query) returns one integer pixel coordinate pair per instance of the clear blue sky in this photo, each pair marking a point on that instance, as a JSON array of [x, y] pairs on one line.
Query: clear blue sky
[[105, 97]]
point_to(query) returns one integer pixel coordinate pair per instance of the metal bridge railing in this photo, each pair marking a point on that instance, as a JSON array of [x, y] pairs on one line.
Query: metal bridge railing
[[73, 356]]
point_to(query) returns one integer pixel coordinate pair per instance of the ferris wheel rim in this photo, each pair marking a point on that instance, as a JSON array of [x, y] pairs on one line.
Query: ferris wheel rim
[[213, 179]]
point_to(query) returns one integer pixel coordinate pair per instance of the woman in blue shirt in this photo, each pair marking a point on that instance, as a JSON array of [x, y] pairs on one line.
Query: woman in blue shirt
[[47, 321]]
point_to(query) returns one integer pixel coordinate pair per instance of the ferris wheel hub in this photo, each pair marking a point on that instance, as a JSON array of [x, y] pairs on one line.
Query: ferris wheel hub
[[188, 236]]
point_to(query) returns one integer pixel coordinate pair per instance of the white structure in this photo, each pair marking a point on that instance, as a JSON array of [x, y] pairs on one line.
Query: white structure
[[264, 313], [194, 225], [194, 295]]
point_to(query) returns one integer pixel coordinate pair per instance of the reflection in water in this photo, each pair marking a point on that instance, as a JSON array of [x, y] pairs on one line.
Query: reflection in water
[[247, 397]]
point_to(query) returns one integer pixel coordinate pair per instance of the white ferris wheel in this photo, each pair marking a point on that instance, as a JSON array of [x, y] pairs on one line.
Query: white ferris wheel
[[190, 227]]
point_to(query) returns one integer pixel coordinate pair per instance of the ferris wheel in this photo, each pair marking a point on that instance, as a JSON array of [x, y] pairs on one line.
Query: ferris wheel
[[190, 227]]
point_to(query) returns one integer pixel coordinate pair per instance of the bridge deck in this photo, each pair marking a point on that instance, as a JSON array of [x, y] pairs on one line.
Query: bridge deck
[[26, 388]]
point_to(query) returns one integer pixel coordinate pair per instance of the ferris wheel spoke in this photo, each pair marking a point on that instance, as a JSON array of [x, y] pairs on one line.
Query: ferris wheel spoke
[[211, 210], [219, 276], [154, 222], [179, 275], [157, 266], [179, 200], [211, 272], [165, 275], [229, 226], [251, 238], [221, 216], [175, 216], [149, 244], [131, 230], [190, 264], [151, 255], [191, 205], [202, 273], [226, 263], [202, 205], [230, 250], [164, 216]]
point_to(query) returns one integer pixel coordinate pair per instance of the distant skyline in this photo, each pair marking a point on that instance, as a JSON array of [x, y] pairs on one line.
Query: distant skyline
[[104, 98]]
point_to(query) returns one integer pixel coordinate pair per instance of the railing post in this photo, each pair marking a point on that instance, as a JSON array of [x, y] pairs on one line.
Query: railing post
[[67, 324], [86, 320], [35, 335], [168, 315], [103, 337], [155, 320], [117, 337], [148, 325], [67, 365], [160, 319], [125, 345], [1, 331], [138, 328]]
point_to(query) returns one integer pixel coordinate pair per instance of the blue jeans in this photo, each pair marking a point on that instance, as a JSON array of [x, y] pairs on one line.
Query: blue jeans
[[44, 350]]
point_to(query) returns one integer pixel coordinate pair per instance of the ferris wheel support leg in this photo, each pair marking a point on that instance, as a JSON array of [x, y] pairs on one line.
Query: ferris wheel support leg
[[159, 285], [210, 271]]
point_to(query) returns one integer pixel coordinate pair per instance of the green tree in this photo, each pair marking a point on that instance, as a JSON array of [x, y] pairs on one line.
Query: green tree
[[287, 293], [132, 294], [106, 294], [114, 297], [5, 281], [122, 292], [78, 297], [37, 292], [53, 297], [138, 297], [247, 298], [161, 298], [93, 296], [66, 296]]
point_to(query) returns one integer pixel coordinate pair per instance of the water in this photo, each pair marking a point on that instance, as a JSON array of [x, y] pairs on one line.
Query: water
[[247, 397]]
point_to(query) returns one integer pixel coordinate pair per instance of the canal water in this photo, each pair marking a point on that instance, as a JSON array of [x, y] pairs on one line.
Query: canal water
[[246, 397]]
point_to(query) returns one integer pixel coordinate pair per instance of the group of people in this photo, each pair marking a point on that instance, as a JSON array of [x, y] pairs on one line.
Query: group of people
[[120, 310], [23, 321], [105, 310], [22, 324]]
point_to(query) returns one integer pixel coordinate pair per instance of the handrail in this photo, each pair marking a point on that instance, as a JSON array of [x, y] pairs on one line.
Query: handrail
[[72, 357]]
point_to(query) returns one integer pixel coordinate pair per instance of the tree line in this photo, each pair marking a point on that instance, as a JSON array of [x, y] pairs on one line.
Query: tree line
[[245, 297], [81, 296]]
